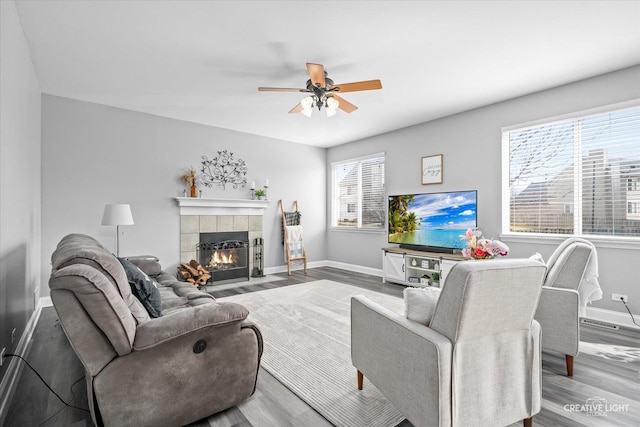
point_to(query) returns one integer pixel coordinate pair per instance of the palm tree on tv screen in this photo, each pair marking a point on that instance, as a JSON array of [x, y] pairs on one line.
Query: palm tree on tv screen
[[400, 219]]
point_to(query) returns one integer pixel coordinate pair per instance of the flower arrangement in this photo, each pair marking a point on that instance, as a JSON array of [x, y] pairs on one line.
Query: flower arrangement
[[480, 248], [190, 177]]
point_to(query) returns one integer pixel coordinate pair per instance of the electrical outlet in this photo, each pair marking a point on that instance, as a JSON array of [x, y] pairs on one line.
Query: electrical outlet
[[13, 335], [2, 355], [619, 297]]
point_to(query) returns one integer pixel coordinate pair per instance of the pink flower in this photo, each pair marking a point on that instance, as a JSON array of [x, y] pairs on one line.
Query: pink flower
[[479, 253], [466, 253], [496, 247]]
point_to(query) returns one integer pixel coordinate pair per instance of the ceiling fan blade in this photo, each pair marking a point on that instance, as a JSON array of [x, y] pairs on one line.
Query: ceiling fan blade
[[357, 86], [296, 109], [316, 72], [281, 89], [344, 105]]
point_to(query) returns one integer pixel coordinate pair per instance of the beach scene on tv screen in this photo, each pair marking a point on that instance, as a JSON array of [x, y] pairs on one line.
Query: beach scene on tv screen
[[437, 219]]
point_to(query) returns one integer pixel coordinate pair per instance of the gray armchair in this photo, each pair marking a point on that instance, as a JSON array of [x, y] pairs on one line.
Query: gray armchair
[[476, 363], [560, 302]]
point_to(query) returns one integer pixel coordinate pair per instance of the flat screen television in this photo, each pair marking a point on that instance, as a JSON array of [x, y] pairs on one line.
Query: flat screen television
[[432, 221]]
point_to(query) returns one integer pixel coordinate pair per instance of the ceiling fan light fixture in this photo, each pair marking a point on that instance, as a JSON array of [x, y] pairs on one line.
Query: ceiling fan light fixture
[[307, 105], [331, 105]]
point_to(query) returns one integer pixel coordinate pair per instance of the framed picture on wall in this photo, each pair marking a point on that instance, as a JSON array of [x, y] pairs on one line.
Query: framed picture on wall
[[431, 170]]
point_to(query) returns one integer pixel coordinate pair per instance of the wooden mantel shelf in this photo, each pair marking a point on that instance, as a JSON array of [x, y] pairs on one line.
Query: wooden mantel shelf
[[199, 206]]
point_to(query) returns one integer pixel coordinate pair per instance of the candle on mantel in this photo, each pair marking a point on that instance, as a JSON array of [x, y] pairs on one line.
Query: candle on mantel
[[253, 185], [266, 184]]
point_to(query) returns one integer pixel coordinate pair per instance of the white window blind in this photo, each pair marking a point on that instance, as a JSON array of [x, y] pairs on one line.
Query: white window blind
[[577, 176], [359, 193]]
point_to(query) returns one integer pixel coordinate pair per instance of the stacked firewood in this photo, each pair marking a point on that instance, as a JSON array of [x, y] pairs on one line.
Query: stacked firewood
[[193, 272]]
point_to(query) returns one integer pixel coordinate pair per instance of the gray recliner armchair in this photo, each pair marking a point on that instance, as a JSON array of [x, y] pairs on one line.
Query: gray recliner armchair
[[478, 360], [200, 357], [559, 309]]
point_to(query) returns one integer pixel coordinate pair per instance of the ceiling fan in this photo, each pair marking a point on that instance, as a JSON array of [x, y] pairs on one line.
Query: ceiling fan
[[324, 92]]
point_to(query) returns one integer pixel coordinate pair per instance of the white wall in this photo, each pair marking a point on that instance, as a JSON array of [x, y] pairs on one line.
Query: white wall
[[93, 155], [471, 145], [19, 179]]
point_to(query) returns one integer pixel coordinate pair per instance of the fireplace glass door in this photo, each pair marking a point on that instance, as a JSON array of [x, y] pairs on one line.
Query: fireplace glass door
[[225, 255]]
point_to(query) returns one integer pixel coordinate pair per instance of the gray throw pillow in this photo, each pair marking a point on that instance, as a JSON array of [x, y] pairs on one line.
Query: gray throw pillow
[[420, 303], [144, 288]]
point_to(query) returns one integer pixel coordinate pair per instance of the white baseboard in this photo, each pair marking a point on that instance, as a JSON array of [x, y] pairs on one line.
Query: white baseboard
[[356, 268], [283, 268], [14, 369], [615, 317]]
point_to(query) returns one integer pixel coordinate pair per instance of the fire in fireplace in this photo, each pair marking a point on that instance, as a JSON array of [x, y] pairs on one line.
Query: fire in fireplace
[[225, 255]]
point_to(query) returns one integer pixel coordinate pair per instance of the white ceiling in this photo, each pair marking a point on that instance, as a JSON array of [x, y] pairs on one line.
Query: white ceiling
[[202, 61]]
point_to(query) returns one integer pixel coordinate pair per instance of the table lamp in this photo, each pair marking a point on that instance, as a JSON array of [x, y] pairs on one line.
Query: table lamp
[[119, 214]]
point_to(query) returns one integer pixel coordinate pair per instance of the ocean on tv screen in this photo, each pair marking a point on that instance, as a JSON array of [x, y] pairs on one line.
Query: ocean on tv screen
[[436, 238]]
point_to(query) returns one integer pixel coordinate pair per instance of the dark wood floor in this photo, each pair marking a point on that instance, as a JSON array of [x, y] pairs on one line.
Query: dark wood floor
[[608, 376]]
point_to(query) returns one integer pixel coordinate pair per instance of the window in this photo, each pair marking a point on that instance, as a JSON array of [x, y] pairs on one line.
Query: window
[[573, 176], [358, 193]]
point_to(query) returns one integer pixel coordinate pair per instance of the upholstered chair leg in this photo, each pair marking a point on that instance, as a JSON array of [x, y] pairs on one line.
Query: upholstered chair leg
[[527, 422], [569, 364], [360, 380]]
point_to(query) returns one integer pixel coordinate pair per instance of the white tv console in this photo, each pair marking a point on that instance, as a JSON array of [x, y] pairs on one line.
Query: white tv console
[[415, 268]]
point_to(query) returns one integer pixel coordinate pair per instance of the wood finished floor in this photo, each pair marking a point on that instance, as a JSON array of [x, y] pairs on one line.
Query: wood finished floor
[[274, 405]]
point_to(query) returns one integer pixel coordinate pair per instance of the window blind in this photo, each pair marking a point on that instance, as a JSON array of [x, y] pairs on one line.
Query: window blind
[[576, 176], [359, 193]]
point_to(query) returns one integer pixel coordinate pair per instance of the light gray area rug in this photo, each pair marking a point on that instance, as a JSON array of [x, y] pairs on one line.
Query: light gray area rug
[[307, 347]]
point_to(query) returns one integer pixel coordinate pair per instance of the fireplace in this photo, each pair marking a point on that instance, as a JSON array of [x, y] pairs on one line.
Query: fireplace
[[225, 255], [203, 216]]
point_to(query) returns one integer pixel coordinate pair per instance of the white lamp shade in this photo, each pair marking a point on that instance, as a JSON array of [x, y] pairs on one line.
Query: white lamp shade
[[117, 215], [307, 106], [332, 103]]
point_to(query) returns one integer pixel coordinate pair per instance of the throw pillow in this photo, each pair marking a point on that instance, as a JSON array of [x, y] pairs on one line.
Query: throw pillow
[[420, 303], [144, 288]]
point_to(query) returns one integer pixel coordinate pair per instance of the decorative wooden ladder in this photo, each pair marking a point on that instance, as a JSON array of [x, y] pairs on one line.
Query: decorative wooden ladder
[[299, 253]]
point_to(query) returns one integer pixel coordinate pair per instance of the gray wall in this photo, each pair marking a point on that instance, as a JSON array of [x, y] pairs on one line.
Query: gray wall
[[94, 155], [19, 180], [471, 145]]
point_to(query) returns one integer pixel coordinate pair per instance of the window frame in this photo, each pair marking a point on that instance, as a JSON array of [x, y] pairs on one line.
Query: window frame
[[333, 224], [618, 242]]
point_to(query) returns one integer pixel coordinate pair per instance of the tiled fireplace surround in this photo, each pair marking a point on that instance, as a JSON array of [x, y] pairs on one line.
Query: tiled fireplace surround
[[214, 215]]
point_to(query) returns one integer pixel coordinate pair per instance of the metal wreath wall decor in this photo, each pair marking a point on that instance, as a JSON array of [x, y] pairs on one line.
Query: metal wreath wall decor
[[224, 169]]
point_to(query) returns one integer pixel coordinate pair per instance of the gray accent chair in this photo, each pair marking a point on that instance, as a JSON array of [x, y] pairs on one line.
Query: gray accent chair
[[201, 357], [559, 307], [478, 361]]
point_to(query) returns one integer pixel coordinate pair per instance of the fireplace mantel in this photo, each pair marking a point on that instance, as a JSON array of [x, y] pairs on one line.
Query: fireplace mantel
[[198, 206]]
